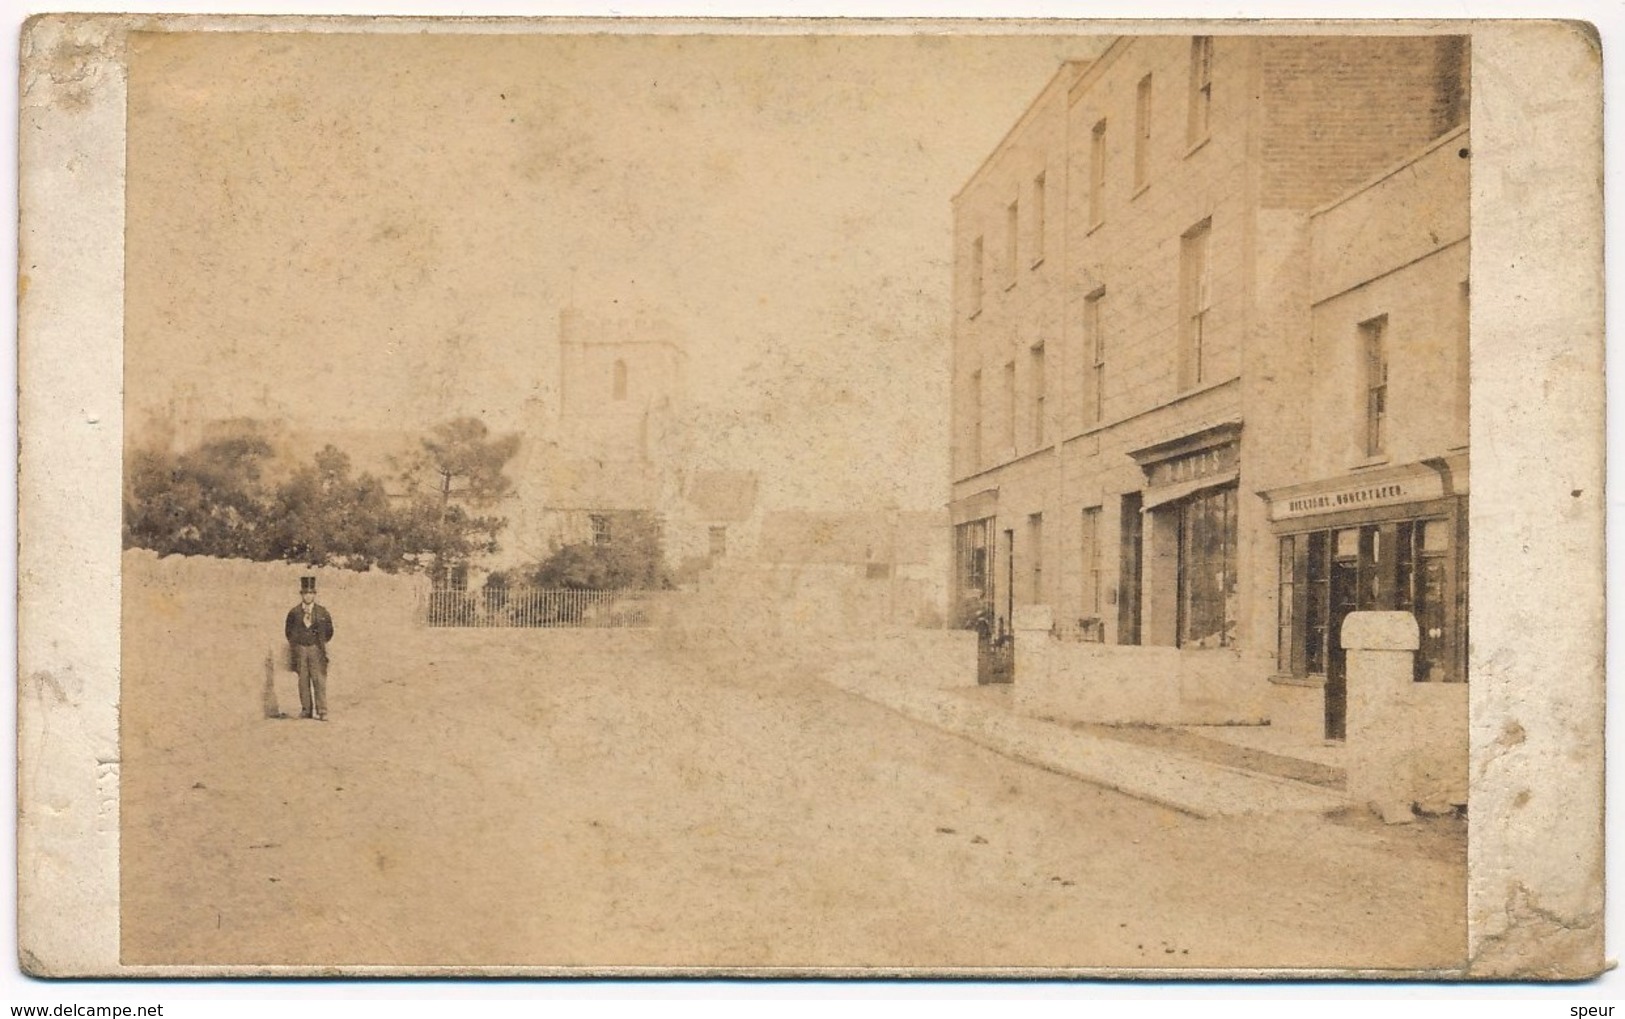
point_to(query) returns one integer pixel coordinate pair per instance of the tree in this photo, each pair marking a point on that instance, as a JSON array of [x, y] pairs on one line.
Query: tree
[[324, 515], [464, 463], [458, 469], [211, 500], [214, 500], [631, 557]]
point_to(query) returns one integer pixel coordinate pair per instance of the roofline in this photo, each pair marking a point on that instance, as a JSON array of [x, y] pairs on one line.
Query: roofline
[[1415, 156], [1069, 69], [1097, 68]]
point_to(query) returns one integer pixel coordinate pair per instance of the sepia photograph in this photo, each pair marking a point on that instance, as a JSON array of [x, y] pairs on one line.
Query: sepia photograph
[[766, 500]]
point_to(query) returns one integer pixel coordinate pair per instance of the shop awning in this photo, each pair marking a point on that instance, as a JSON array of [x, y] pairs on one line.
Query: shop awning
[[1165, 494]]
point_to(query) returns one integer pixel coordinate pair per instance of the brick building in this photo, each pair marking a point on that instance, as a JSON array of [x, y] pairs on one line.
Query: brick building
[[1152, 289]]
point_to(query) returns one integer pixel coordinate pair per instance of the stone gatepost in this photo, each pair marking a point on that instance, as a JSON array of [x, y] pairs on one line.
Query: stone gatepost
[[1381, 648]]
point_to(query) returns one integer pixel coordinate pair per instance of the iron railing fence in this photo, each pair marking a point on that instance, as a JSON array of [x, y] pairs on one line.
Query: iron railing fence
[[539, 607]]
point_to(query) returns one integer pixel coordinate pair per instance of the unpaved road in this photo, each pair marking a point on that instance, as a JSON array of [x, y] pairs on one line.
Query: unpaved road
[[488, 799]]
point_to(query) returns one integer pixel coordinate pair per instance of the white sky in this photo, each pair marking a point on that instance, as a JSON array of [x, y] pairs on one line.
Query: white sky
[[321, 220]]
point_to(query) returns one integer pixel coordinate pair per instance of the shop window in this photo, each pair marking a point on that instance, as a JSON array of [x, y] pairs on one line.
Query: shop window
[[1285, 602], [1404, 566], [1207, 569], [1318, 574]]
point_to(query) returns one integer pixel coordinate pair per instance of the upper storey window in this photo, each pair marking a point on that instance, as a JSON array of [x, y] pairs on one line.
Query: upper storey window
[[1201, 102]]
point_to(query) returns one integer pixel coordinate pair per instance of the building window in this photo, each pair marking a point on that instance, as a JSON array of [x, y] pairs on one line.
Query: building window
[[1195, 300], [976, 419], [1036, 366], [1090, 557], [1324, 575], [719, 542], [1009, 404], [1285, 601], [976, 264], [1201, 104], [1097, 175], [1095, 337], [618, 384], [1142, 133], [1463, 363], [973, 550], [1374, 351], [1012, 241], [1035, 540], [1207, 569], [600, 528], [1039, 204]]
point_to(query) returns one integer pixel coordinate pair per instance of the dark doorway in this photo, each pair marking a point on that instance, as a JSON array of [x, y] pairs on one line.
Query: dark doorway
[[1128, 586]]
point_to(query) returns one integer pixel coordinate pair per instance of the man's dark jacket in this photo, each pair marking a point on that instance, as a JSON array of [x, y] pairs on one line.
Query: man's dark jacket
[[318, 633]]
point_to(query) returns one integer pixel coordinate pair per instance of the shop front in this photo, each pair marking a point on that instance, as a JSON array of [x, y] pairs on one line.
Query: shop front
[[1390, 539]]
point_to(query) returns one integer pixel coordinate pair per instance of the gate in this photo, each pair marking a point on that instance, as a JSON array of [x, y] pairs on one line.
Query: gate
[[995, 656]]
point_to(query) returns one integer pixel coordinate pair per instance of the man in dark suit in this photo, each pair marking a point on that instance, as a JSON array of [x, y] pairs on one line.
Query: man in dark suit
[[309, 628]]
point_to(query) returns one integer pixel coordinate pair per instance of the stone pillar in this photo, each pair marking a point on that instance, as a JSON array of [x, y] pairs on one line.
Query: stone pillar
[[1381, 648]]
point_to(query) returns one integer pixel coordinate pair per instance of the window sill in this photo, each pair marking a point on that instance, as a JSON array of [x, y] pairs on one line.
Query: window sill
[[1096, 225], [1197, 145], [1037, 262], [1142, 189], [1307, 682], [974, 315], [1011, 285]]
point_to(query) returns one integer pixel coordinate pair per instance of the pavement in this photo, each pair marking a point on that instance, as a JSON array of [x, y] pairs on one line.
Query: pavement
[[1201, 788]]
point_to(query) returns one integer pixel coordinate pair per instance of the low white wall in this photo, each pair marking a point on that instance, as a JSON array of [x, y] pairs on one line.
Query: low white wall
[[1299, 710], [1106, 683]]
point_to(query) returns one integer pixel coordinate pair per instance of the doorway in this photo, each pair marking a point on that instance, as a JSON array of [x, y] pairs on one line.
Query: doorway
[[1128, 587]]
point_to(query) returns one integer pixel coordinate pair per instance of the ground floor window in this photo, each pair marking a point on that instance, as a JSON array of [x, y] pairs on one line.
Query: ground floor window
[[1412, 565], [1207, 569], [973, 552]]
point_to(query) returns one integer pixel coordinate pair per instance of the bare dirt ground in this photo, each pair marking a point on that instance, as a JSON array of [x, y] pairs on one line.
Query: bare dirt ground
[[483, 799]]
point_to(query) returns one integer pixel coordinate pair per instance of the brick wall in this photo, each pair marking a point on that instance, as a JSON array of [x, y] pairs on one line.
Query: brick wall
[[1339, 109]]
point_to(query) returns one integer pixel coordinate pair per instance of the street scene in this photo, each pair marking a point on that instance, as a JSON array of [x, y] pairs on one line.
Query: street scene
[[506, 803], [796, 503]]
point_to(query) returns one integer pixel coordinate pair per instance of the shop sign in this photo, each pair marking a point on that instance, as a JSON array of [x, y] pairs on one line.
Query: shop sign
[[1390, 492]]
